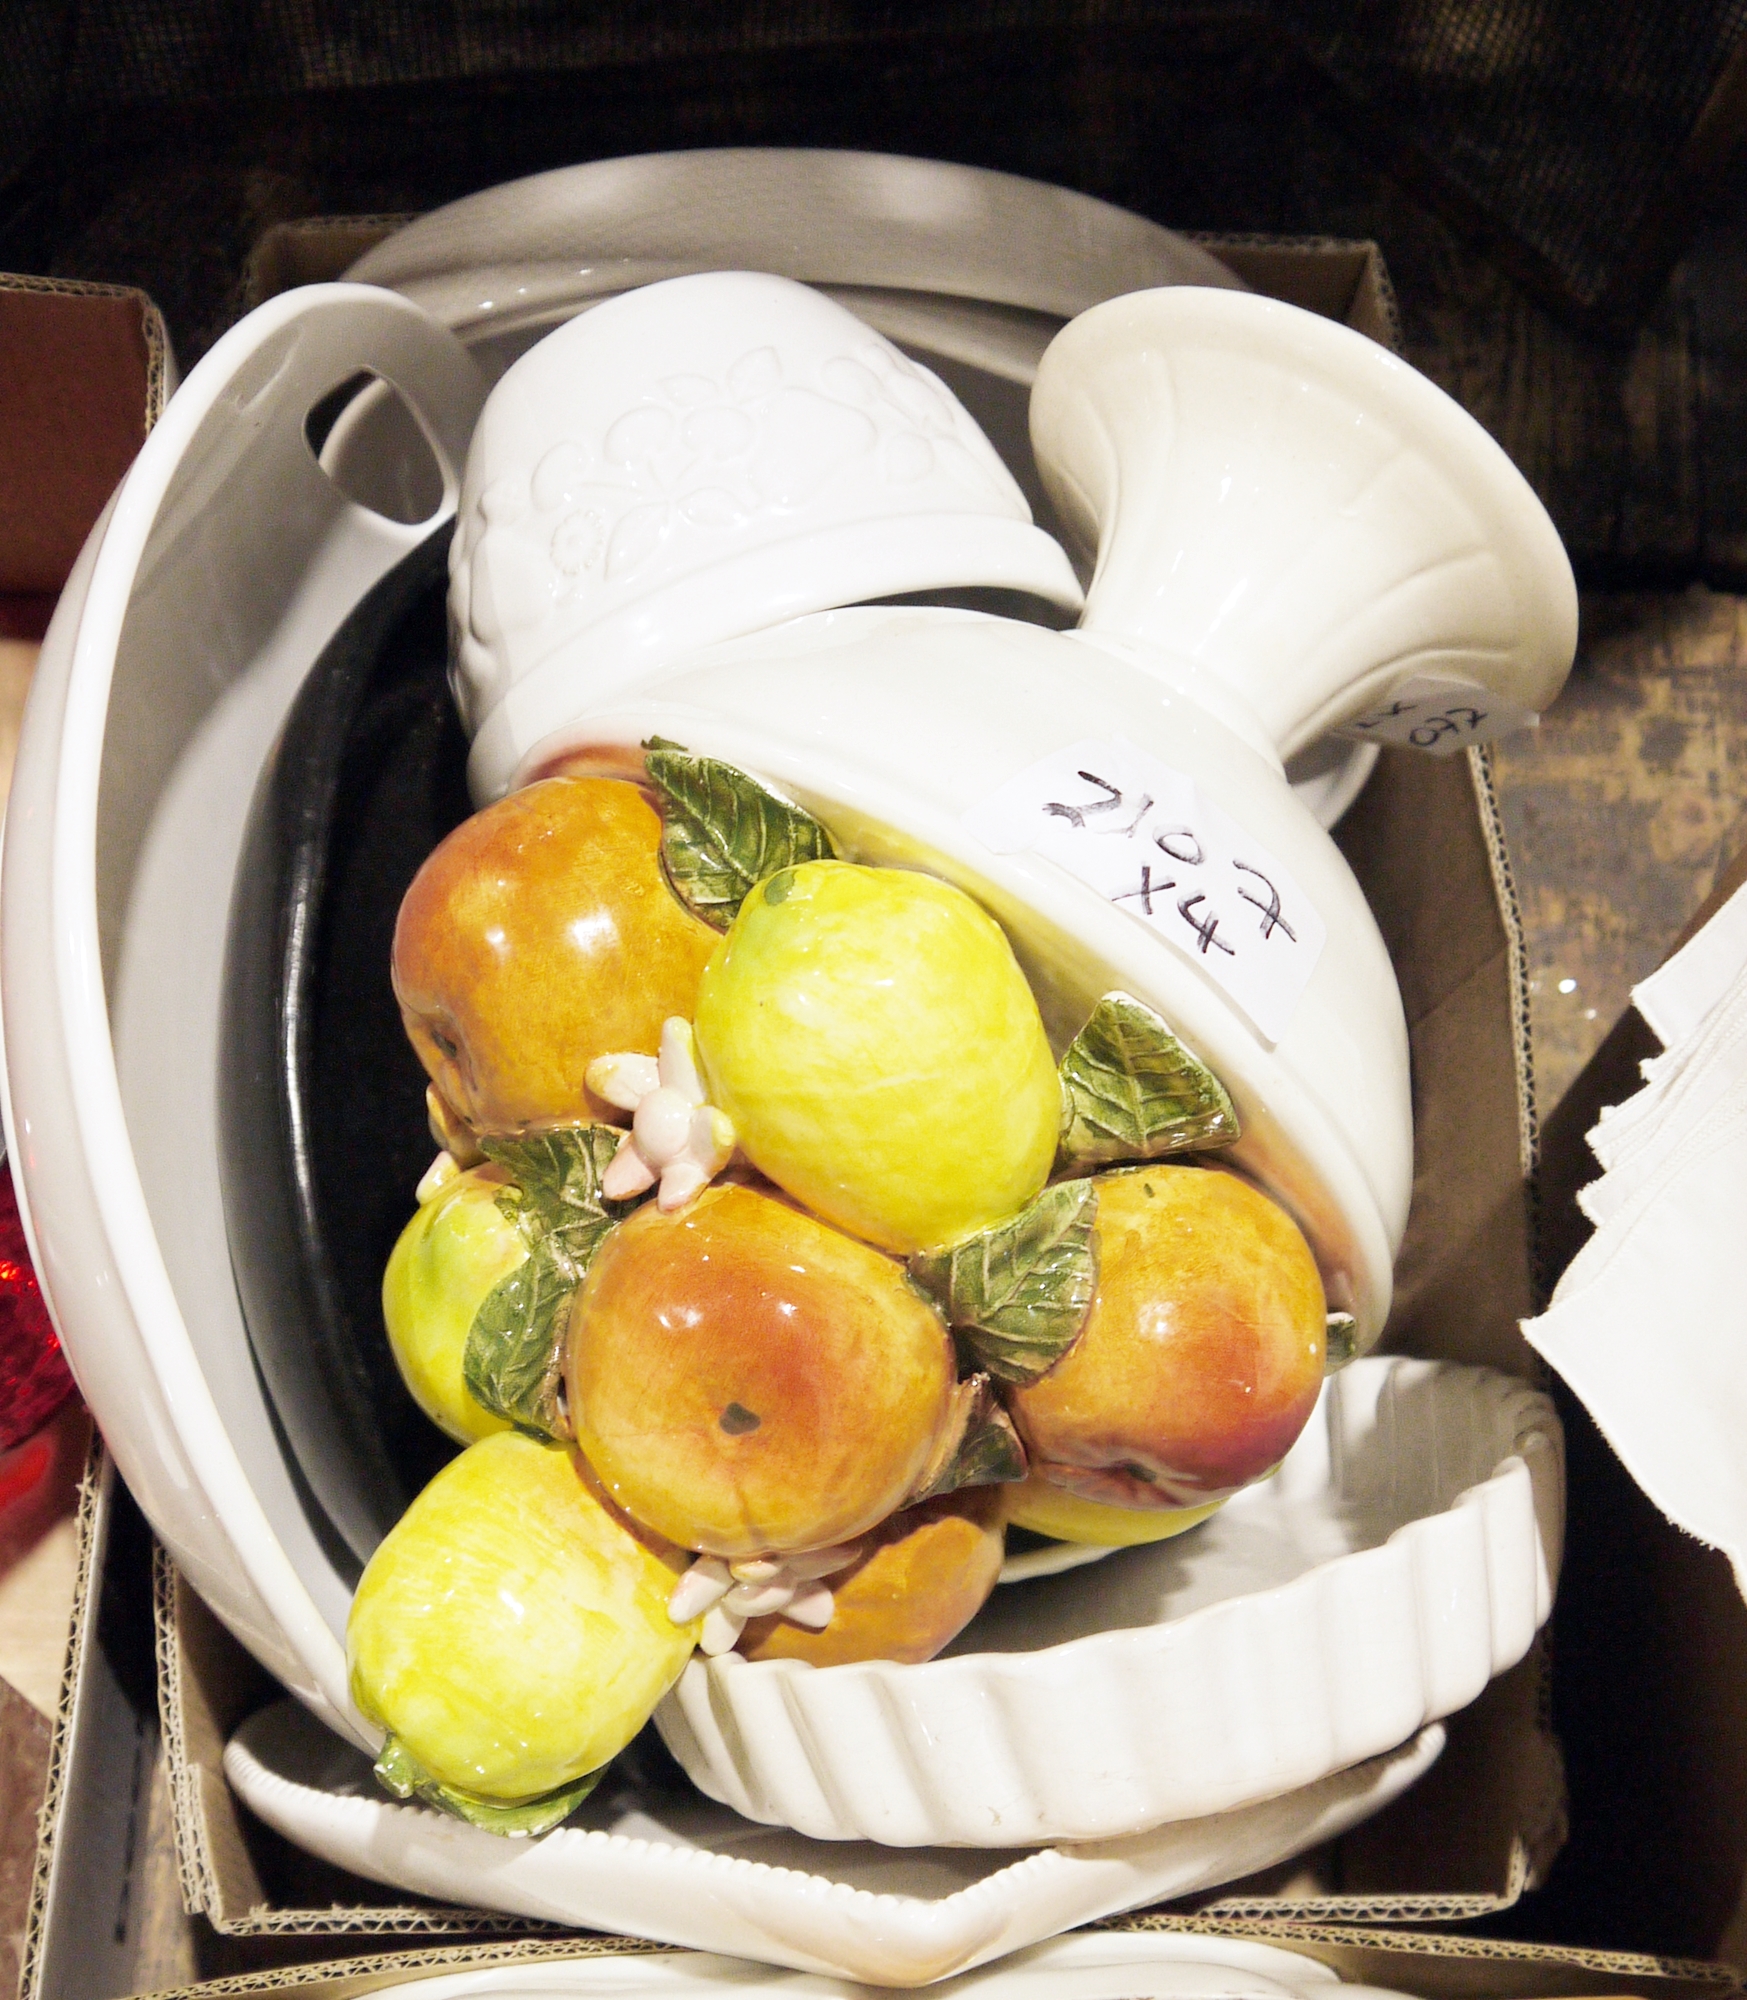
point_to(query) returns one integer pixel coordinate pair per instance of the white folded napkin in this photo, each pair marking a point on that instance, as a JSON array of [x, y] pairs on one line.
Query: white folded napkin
[[1677, 997], [1648, 1325]]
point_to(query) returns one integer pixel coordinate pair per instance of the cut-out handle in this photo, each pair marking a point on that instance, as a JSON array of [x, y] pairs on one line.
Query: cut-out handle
[[367, 438], [389, 458]]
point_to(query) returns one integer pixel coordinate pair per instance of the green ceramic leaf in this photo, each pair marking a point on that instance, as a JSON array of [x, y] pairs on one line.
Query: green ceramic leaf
[[981, 1447], [558, 1178], [400, 1772], [1017, 1295], [513, 1363], [1131, 1091], [724, 831], [1342, 1342]]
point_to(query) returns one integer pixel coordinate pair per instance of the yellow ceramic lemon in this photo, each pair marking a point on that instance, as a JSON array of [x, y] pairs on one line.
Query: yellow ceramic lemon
[[880, 1053], [1050, 1510], [512, 1630], [457, 1247]]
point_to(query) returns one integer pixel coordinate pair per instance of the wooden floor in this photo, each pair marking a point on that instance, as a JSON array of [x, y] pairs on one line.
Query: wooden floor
[[1622, 806]]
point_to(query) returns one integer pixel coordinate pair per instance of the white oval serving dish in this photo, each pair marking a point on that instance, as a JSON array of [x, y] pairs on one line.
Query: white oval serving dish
[[1135, 1965], [1404, 1553], [693, 1873]]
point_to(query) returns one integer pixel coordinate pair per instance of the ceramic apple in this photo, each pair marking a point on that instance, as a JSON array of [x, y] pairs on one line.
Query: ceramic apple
[[511, 1633], [880, 1054], [921, 1578], [455, 1250], [539, 935], [746, 1379], [1203, 1353]]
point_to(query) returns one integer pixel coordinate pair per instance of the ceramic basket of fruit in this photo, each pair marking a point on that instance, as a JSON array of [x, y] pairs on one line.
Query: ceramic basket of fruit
[[915, 1095]]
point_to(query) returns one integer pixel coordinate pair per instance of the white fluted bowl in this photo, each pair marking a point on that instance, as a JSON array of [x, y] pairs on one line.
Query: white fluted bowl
[[1403, 1555]]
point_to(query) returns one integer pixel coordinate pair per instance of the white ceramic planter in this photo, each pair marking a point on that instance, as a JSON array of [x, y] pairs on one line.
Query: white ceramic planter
[[1289, 532]]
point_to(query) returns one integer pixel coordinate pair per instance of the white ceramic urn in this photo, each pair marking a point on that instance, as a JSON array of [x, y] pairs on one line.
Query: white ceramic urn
[[680, 510]]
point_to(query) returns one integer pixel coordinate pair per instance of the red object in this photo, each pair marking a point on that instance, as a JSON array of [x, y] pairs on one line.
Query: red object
[[34, 1379]]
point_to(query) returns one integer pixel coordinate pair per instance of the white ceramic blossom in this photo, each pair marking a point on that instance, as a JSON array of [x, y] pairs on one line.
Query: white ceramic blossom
[[676, 1138], [728, 1594]]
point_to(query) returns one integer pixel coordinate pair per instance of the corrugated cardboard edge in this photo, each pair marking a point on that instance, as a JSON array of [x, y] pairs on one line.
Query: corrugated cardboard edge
[[93, 1522], [1553, 1824], [155, 333], [99, 1474], [1534, 1968], [188, 1822], [1459, 1968], [344, 1979], [1369, 304], [1510, 911], [314, 250]]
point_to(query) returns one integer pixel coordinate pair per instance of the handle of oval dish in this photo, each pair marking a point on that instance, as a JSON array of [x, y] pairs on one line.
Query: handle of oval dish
[[1292, 508]]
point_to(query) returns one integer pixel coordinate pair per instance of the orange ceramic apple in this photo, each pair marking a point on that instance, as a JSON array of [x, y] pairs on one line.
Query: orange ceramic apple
[[746, 1379], [922, 1577], [1202, 1355], [540, 934]]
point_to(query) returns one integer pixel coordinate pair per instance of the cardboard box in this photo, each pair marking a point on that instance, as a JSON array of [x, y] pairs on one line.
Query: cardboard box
[[84, 370], [1405, 1962], [1485, 1825]]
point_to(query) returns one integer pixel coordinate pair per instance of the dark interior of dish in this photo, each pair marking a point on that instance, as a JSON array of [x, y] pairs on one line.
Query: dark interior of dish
[[322, 1097]]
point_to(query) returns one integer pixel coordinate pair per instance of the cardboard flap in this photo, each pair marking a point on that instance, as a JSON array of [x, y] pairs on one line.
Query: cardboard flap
[[82, 371]]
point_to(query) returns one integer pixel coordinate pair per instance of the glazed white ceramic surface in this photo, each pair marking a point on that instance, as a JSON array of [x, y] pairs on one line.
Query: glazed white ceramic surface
[[699, 1875], [1403, 1555], [1296, 510], [1289, 530], [219, 572], [221, 568], [517, 259], [1117, 1966], [970, 271], [1158, 1965], [699, 459]]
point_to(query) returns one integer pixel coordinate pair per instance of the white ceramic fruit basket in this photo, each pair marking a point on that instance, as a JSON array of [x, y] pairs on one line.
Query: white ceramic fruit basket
[[222, 568]]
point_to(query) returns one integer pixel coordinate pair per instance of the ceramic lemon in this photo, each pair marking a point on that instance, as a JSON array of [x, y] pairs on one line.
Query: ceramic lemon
[[449, 1257], [880, 1053], [511, 1635]]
